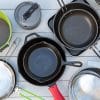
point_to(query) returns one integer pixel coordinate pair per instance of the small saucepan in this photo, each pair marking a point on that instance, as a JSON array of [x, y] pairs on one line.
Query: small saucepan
[[85, 85], [42, 61]]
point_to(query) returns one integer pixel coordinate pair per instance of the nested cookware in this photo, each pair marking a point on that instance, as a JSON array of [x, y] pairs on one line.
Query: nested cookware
[[42, 61], [76, 25]]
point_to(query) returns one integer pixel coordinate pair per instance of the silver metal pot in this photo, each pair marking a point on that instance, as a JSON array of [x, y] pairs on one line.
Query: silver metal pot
[[85, 85]]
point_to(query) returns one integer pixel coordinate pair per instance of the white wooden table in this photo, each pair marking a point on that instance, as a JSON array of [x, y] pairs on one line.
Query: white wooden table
[[49, 8]]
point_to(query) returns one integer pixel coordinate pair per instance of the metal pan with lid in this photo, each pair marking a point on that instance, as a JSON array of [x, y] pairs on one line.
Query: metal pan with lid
[[42, 61], [76, 25]]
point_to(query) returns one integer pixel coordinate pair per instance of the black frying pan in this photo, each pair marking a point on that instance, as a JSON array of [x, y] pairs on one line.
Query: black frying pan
[[76, 25], [42, 61]]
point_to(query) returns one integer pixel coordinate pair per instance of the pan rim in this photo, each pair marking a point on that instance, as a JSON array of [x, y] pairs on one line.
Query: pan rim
[[67, 44]]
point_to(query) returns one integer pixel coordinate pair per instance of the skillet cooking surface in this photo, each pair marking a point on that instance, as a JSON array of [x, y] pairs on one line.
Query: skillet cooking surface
[[78, 28], [42, 62]]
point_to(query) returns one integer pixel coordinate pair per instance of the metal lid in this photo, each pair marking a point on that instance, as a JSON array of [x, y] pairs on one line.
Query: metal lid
[[28, 15], [7, 79]]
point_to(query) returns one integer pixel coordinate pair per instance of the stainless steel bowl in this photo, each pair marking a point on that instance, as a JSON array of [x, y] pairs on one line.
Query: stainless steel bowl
[[85, 85], [7, 79]]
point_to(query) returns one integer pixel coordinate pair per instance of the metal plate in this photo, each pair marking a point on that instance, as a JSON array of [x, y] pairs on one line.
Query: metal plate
[[7, 80]]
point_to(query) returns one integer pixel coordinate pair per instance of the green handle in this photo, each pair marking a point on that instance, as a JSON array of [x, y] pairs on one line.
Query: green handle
[[23, 96], [36, 96]]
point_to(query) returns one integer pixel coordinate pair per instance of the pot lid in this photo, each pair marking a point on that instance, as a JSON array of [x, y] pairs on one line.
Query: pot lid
[[7, 80], [28, 15]]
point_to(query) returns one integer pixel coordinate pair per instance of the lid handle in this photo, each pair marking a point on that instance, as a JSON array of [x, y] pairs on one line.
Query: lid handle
[[28, 13]]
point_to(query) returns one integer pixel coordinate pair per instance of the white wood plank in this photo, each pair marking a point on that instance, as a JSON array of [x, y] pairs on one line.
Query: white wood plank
[[43, 27], [19, 98], [87, 53], [45, 4], [69, 71], [41, 90], [52, 4], [94, 4]]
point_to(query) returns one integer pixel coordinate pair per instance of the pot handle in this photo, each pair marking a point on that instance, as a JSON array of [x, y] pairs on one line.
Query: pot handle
[[62, 5], [31, 36], [80, 1], [56, 93], [74, 63]]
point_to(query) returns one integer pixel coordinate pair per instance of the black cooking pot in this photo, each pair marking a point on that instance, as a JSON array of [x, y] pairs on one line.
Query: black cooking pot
[[42, 61], [76, 25]]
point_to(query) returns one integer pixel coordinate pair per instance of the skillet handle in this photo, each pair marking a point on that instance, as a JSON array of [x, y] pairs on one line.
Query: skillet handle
[[56, 93], [80, 1], [31, 36], [74, 63]]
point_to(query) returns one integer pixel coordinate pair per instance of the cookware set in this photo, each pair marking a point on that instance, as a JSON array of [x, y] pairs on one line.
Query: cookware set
[[42, 61]]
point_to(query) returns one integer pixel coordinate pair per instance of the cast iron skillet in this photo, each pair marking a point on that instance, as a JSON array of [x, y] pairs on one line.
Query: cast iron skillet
[[42, 61], [76, 25]]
